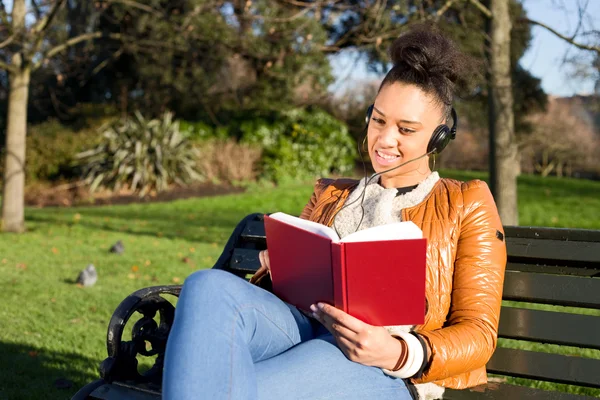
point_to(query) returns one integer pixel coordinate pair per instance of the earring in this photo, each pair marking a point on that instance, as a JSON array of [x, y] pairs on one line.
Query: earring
[[365, 150]]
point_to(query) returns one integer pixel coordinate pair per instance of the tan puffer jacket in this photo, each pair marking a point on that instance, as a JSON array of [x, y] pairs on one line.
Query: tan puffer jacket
[[466, 258]]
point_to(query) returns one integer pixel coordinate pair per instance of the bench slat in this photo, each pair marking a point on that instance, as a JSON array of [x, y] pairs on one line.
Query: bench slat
[[565, 234], [552, 289], [550, 327], [557, 269], [553, 249], [245, 260], [549, 367], [495, 391], [254, 231]]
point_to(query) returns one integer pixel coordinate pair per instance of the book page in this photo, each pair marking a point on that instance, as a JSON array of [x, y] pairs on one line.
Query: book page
[[394, 231], [307, 225]]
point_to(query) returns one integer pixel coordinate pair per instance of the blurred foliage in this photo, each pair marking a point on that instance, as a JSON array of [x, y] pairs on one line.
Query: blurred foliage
[[299, 144], [52, 149], [140, 154]]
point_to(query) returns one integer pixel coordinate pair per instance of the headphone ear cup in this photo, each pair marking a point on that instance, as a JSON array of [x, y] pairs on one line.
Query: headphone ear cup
[[369, 113], [439, 139]]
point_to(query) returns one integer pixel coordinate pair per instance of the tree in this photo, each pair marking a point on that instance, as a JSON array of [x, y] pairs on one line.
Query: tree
[[504, 158], [26, 46]]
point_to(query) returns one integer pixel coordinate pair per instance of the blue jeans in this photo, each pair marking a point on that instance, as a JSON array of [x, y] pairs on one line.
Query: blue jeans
[[233, 340]]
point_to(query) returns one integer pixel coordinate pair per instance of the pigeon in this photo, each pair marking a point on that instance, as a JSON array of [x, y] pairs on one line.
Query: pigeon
[[117, 247], [88, 276]]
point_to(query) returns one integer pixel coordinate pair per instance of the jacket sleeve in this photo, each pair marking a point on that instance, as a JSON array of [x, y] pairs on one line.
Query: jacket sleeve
[[320, 185], [469, 336]]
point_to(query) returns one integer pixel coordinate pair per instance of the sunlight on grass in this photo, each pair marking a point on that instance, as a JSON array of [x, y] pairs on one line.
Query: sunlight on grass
[[53, 329]]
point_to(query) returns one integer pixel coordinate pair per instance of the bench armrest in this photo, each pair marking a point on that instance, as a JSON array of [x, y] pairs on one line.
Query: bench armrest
[[148, 336]]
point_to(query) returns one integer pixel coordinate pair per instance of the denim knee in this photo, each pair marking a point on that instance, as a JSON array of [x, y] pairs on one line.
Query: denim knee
[[212, 283]]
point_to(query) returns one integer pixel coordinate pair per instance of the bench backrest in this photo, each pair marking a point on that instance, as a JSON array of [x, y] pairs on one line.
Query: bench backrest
[[546, 267], [549, 267]]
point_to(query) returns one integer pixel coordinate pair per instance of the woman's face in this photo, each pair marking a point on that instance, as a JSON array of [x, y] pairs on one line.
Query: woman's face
[[401, 125]]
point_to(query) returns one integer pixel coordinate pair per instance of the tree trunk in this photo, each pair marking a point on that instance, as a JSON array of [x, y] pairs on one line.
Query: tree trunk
[[504, 184], [13, 194]]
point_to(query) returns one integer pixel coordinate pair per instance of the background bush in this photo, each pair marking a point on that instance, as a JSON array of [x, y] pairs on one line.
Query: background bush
[[52, 149], [300, 144], [141, 154], [226, 160]]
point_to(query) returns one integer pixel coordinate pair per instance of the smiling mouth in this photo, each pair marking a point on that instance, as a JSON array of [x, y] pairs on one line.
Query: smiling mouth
[[387, 157]]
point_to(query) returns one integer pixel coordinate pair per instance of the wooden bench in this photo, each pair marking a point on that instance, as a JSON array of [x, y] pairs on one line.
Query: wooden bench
[[556, 267]]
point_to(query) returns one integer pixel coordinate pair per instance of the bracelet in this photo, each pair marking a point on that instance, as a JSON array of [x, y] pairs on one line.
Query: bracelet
[[403, 354], [415, 356]]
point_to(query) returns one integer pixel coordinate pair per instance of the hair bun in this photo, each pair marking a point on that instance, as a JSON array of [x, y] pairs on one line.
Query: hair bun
[[429, 58]]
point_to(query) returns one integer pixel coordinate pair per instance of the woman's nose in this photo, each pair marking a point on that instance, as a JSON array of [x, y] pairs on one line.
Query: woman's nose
[[389, 136]]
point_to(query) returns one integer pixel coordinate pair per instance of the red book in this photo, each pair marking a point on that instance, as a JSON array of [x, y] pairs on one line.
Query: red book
[[376, 275]]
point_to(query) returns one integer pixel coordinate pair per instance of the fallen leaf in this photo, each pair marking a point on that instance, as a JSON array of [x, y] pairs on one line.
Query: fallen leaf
[[176, 280], [53, 300], [192, 250], [77, 217], [33, 353], [93, 308], [4, 261], [75, 320], [55, 250], [131, 276], [186, 260], [21, 266], [147, 263], [154, 278], [135, 268]]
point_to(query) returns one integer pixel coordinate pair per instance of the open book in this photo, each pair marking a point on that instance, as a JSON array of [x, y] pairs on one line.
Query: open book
[[376, 275]]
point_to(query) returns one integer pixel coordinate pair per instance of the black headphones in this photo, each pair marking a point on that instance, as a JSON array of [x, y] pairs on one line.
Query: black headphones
[[441, 135]]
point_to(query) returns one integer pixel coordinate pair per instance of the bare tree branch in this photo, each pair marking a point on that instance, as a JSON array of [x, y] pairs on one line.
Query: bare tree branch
[[563, 37], [135, 4], [36, 9], [482, 8], [7, 41], [443, 9], [71, 42], [4, 15], [47, 20], [7, 67]]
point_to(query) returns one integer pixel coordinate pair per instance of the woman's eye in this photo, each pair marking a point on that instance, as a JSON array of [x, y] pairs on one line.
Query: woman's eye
[[378, 121], [407, 131]]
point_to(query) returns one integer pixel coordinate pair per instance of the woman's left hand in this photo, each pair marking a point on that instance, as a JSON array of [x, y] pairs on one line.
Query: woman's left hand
[[362, 343]]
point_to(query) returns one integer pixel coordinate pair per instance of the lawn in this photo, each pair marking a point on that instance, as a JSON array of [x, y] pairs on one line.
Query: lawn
[[53, 329]]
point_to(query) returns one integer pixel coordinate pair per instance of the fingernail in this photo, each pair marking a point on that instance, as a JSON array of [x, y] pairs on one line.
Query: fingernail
[[313, 308], [315, 315], [321, 306]]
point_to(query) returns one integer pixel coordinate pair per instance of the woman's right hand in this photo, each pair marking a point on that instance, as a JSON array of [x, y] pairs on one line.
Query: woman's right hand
[[265, 267]]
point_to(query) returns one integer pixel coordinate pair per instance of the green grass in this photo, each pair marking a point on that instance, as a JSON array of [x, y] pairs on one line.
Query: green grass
[[52, 329]]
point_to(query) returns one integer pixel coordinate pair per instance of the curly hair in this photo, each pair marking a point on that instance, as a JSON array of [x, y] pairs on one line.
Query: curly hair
[[426, 58]]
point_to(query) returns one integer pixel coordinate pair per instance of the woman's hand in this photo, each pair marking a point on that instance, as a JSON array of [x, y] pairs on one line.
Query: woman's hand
[[265, 267], [362, 343]]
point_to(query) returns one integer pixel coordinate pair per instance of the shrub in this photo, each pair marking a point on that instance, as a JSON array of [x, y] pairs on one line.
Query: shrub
[[140, 154], [51, 150], [227, 160], [300, 145]]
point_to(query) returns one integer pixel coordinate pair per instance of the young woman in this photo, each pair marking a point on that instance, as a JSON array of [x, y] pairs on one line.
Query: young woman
[[233, 340]]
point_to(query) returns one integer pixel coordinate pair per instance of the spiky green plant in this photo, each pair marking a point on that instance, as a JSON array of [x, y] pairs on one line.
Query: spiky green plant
[[141, 154]]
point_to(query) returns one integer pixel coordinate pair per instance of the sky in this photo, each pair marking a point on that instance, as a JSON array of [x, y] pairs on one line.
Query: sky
[[544, 58]]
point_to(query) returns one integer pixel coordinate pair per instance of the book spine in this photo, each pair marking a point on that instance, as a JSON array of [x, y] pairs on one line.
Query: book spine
[[338, 269]]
